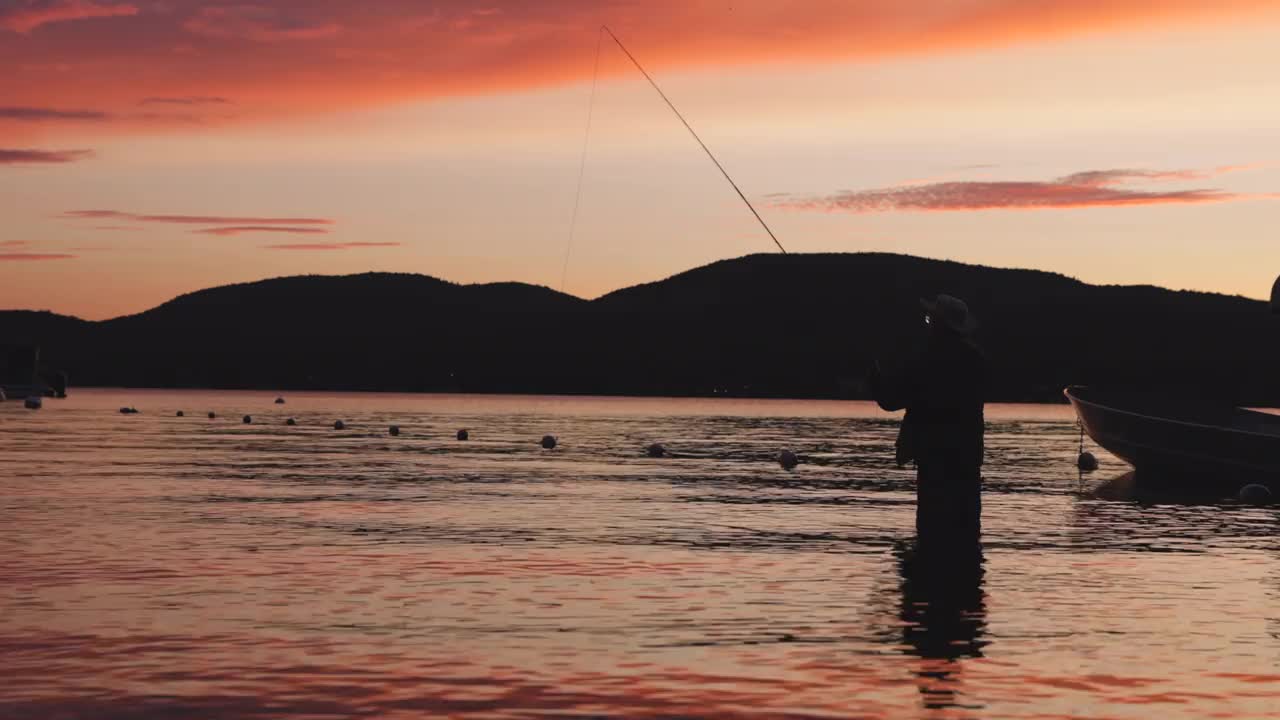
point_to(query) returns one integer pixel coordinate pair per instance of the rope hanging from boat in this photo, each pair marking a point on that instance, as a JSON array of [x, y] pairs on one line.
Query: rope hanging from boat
[[573, 224]]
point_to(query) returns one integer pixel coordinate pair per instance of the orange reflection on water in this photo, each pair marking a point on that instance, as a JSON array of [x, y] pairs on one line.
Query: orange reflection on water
[[164, 567]]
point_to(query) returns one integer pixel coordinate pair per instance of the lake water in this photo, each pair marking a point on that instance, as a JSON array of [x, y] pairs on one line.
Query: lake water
[[163, 567]]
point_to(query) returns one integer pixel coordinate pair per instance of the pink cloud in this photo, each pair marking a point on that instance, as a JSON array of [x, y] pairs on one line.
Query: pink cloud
[[42, 157], [45, 113], [14, 244], [23, 16], [30, 257], [259, 23], [330, 246], [198, 111], [241, 229], [186, 100], [352, 55], [1100, 178], [191, 219], [1094, 188]]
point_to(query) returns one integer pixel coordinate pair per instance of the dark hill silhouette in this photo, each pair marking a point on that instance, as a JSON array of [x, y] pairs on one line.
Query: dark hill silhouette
[[762, 325]]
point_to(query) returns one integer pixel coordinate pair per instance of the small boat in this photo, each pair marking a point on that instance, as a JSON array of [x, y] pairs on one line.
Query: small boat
[[1179, 440], [22, 376]]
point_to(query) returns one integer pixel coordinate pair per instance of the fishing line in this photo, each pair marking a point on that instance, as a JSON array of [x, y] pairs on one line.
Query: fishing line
[[689, 127], [582, 164]]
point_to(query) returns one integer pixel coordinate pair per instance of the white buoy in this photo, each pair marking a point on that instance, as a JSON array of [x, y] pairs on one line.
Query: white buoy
[[394, 430], [549, 442], [464, 435], [1256, 494], [788, 459], [339, 425], [35, 402], [656, 450], [247, 420], [290, 422], [1087, 462]]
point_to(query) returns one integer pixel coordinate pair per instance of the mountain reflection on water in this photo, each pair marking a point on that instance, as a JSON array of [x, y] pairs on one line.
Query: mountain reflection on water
[[161, 567]]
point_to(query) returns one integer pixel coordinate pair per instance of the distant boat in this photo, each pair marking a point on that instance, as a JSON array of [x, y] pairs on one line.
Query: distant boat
[[21, 375], [1171, 438]]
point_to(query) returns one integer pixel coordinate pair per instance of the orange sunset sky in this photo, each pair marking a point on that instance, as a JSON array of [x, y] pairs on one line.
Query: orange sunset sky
[[154, 147]]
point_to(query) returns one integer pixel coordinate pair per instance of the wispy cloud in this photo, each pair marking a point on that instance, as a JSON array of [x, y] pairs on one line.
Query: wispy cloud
[[1093, 188], [32, 257], [117, 228], [331, 246], [42, 157], [188, 100], [23, 16], [14, 244], [44, 113], [260, 23], [192, 219], [160, 111], [1100, 178], [242, 229]]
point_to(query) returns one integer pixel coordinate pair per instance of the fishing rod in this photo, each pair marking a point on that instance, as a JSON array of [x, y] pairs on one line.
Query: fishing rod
[[689, 127], [590, 112]]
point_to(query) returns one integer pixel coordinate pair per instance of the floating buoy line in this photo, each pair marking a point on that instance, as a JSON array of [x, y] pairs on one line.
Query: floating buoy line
[[788, 459]]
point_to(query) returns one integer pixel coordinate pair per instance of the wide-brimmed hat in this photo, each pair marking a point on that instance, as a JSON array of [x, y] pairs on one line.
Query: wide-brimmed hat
[[951, 312]]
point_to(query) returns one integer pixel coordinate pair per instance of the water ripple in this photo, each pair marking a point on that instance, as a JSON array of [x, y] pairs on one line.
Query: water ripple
[[161, 567]]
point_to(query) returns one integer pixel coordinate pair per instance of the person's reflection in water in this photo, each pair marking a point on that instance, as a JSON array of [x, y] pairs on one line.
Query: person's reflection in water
[[943, 613]]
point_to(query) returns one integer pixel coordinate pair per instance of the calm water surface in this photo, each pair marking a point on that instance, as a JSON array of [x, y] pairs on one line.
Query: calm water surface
[[163, 567]]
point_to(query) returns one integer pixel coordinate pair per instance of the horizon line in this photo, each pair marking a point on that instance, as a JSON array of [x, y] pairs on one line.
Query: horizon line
[[789, 257]]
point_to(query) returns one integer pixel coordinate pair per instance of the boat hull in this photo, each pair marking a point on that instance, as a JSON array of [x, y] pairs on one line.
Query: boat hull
[[1221, 447]]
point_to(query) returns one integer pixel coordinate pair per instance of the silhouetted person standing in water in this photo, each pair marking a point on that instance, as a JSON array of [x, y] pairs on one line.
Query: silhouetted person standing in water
[[942, 391], [943, 618]]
